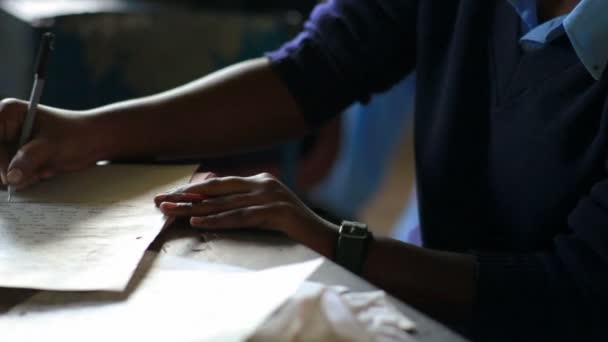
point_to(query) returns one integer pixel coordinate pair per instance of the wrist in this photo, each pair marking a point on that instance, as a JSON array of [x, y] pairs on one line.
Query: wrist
[[103, 134], [321, 237], [93, 140]]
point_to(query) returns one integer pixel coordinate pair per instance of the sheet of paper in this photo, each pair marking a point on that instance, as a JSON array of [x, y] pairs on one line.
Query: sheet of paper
[[168, 305], [108, 184], [85, 231]]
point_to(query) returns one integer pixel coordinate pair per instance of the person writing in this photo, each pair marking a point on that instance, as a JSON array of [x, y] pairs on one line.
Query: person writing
[[511, 144]]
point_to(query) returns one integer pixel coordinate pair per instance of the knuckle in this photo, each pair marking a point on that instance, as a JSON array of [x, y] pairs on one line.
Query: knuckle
[[270, 182], [265, 175], [212, 182], [8, 102], [240, 215], [283, 208], [213, 202], [176, 191], [201, 187], [10, 105], [231, 179], [212, 205], [219, 181]]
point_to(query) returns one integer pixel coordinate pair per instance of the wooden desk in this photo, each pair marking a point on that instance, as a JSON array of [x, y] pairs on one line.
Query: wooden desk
[[258, 251]]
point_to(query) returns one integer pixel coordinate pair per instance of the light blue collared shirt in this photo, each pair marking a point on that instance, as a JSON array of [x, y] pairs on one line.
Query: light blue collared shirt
[[586, 27]]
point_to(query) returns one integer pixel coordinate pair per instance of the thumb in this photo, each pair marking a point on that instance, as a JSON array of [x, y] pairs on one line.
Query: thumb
[[12, 112], [4, 160], [23, 169]]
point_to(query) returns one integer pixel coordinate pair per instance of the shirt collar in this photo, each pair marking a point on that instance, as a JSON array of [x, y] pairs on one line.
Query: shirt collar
[[586, 28], [527, 12]]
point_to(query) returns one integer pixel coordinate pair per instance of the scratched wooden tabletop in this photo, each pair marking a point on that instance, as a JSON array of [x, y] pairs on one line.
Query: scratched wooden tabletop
[[257, 251]]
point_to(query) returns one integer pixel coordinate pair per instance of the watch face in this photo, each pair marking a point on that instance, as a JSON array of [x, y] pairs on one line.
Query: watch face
[[354, 230]]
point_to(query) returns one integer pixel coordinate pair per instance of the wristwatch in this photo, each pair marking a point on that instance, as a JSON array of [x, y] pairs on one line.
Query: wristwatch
[[352, 244]]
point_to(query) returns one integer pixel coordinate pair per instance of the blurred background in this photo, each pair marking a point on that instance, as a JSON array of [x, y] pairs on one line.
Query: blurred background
[[359, 166]]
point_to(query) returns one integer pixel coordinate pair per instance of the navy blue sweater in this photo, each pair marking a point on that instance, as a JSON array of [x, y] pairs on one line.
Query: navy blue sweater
[[510, 148]]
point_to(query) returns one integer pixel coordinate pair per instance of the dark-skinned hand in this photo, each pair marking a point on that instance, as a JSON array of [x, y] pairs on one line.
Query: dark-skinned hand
[[260, 201]]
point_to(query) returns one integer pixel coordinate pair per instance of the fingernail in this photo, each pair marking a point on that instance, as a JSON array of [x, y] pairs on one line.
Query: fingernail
[[160, 197], [168, 205], [197, 220], [14, 176]]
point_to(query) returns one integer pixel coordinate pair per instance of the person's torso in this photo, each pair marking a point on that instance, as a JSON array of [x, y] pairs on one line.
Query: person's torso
[[506, 141]]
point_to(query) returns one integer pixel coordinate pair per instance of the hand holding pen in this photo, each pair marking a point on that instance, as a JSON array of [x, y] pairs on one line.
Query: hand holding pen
[[50, 141], [44, 52]]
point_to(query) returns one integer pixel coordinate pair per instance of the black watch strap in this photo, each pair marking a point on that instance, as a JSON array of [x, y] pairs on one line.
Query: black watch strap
[[352, 245]]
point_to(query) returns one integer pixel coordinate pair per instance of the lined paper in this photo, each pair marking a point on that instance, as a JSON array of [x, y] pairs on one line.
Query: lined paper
[[85, 231]]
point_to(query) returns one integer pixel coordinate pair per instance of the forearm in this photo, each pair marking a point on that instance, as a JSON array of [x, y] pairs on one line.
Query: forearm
[[245, 106], [441, 284], [438, 283]]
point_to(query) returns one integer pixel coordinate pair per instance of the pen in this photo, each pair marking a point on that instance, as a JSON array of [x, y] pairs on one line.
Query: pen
[[42, 62]]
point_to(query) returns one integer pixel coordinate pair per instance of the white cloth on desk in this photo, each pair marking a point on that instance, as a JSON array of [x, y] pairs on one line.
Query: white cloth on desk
[[322, 313]]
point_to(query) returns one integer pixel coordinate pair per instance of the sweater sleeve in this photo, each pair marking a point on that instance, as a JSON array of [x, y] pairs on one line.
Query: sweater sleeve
[[348, 50], [554, 295]]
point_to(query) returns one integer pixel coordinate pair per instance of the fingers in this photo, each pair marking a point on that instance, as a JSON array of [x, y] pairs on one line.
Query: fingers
[[47, 173], [258, 201], [178, 198], [261, 216], [213, 187], [221, 186], [214, 205], [218, 186], [23, 170], [4, 161], [59, 143], [28, 182], [10, 130], [11, 118]]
